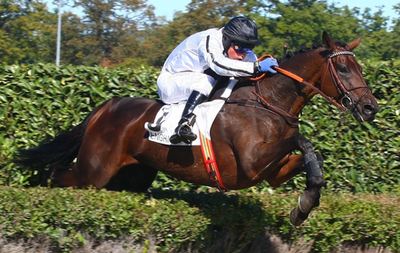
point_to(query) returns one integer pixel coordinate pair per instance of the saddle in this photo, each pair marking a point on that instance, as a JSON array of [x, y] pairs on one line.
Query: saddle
[[168, 116]]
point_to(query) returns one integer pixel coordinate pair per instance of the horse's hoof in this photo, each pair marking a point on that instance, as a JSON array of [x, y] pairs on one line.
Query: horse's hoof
[[297, 217]]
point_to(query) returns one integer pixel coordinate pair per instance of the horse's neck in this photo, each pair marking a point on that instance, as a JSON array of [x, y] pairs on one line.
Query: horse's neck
[[288, 94]]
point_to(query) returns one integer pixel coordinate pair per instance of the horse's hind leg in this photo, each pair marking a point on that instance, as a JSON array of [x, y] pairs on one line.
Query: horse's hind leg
[[314, 182], [133, 177], [106, 172], [95, 166], [80, 176], [64, 177]]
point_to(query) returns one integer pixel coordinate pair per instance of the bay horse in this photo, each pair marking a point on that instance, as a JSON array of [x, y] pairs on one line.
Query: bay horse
[[255, 136]]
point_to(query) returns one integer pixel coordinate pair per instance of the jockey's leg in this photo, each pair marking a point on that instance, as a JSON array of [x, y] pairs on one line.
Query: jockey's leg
[[183, 131], [195, 88]]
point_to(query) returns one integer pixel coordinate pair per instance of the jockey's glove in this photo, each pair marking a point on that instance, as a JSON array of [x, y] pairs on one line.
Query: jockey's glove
[[267, 65]]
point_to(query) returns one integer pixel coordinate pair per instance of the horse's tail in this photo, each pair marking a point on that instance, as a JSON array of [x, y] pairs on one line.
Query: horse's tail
[[59, 151]]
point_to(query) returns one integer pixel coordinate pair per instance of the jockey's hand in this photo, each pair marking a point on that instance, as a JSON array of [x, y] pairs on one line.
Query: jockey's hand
[[267, 65]]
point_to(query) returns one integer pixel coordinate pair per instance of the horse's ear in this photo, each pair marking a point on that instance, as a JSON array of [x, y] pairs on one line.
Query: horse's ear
[[328, 41], [355, 43]]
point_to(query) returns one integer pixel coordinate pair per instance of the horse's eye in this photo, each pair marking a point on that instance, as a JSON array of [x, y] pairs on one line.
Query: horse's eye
[[342, 68]]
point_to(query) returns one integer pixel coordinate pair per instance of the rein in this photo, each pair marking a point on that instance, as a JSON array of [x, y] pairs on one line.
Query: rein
[[346, 100], [311, 86], [308, 84]]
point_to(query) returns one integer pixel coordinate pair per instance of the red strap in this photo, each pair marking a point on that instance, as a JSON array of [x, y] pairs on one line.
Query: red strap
[[210, 163]]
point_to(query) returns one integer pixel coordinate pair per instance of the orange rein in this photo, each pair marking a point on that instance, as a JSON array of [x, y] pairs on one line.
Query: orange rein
[[298, 79]]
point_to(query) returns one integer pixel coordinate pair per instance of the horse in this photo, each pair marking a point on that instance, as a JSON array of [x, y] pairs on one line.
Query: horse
[[255, 135]]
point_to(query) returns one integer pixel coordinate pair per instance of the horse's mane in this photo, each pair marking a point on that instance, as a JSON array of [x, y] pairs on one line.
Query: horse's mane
[[290, 54], [223, 82]]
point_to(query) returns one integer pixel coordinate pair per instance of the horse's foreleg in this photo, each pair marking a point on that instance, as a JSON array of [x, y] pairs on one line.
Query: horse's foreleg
[[314, 182]]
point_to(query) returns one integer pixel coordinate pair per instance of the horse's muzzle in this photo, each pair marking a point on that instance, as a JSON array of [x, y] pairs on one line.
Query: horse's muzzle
[[366, 110]]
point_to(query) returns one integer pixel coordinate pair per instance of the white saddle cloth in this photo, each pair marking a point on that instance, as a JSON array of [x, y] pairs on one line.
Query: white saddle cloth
[[169, 115]]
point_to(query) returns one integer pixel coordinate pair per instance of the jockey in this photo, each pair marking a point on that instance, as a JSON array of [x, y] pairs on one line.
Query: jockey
[[183, 76]]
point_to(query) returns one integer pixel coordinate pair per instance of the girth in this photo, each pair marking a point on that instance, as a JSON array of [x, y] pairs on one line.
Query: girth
[[262, 104]]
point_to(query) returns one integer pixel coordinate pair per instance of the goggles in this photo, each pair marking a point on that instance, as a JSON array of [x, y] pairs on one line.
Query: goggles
[[240, 49]]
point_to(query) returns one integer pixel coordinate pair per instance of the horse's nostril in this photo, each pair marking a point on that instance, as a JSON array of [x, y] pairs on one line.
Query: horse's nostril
[[369, 110]]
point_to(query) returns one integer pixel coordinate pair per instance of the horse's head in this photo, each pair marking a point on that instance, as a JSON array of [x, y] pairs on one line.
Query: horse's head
[[342, 80]]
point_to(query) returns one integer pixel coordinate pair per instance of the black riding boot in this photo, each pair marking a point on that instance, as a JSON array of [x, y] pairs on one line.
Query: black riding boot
[[183, 132]]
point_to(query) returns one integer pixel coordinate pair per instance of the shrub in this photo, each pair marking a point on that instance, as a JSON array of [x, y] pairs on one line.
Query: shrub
[[179, 220], [39, 101]]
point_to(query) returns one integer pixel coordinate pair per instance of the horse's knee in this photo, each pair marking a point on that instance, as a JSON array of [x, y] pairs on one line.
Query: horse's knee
[[313, 166]]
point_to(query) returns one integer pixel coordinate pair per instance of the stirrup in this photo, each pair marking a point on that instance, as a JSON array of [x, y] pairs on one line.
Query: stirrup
[[183, 133], [186, 133], [175, 139]]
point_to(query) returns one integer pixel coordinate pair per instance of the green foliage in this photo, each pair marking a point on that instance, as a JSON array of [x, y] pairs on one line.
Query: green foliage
[[290, 24], [162, 39], [179, 220], [27, 32], [300, 23], [66, 217], [39, 101], [112, 29], [359, 157], [352, 218], [115, 32]]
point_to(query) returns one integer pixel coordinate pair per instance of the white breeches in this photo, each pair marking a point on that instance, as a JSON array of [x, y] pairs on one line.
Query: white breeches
[[173, 88]]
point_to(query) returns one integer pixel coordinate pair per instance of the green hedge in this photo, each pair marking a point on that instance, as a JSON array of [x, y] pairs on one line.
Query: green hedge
[[38, 101], [360, 157], [182, 220]]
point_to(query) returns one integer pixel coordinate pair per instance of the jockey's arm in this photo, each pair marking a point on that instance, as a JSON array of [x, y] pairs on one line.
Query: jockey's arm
[[221, 64]]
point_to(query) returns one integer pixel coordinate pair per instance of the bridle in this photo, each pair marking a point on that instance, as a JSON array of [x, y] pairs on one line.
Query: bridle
[[347, 101]]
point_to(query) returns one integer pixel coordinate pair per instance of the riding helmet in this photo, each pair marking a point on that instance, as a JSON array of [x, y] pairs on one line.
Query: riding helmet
[[242, 31]]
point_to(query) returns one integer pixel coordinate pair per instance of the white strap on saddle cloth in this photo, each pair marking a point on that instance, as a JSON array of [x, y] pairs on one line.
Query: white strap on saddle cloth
[[169, 115]]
